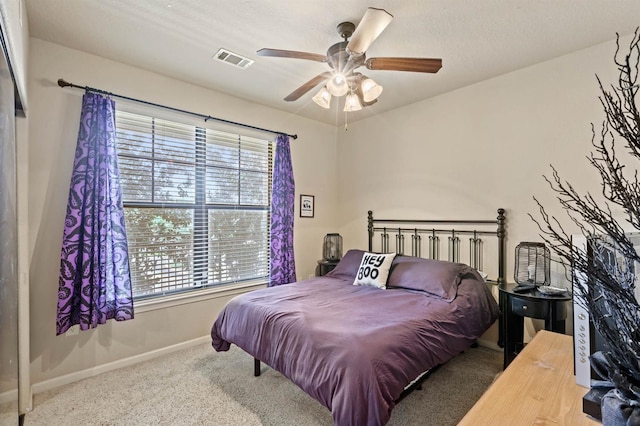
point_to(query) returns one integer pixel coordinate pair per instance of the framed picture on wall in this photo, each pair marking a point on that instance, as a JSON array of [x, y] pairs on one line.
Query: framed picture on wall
[[306, 205]]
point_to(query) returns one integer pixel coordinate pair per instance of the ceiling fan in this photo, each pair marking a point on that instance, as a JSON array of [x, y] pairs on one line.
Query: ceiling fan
[[345, 57]]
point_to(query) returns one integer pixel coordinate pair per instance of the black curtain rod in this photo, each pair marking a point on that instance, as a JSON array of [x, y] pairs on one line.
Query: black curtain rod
[[63, 83]]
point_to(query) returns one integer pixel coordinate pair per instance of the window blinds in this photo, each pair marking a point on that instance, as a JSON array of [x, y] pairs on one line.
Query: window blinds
[[197, 204]]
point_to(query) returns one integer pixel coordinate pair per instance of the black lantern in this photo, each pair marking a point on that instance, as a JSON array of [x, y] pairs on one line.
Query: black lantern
[[532, 264], [332, 247]]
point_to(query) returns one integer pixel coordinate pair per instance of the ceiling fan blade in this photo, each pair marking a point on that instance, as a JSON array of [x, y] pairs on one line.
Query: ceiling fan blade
[[278, 53], [404, 64], [295, 95], [372, 24]]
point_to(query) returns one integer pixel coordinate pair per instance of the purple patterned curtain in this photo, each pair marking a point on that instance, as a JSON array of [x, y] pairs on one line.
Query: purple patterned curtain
[[283, 266], [94, 283]]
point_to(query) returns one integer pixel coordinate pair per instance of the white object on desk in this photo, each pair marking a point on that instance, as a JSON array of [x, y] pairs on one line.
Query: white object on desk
[[551, 291]]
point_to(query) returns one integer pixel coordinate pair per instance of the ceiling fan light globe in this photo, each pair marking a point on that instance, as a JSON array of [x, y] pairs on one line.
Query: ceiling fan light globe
[[323, 98], [337, 85], [352, 103], [370, 90]]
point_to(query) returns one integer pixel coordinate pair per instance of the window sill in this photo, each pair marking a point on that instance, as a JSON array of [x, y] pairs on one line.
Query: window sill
[[195, 296]]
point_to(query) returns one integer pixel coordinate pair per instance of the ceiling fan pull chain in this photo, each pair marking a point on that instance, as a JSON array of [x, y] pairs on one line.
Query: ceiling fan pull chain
[[346, 124]]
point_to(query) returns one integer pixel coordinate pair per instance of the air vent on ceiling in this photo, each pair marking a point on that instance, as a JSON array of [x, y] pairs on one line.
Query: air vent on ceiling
[[232, 58]]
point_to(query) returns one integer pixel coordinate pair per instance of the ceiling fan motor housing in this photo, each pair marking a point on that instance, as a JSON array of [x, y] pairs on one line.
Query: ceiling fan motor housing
[[337, 57]]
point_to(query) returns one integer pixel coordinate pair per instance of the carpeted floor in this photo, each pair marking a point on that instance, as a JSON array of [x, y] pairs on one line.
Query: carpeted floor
[[198, 386]]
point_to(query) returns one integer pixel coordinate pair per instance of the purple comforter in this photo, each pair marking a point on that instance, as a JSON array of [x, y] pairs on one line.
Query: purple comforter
[[354, 348]]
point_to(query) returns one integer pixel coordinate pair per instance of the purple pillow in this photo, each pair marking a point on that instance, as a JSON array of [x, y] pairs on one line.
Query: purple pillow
[[436, 277], [347, 268], [403, 258]]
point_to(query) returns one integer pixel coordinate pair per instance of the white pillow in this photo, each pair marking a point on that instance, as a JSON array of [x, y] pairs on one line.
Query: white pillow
[[374, 269]]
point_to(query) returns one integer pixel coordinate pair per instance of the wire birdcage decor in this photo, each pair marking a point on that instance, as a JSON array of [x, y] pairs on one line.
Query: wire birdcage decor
[[532, 264], [332, 247]]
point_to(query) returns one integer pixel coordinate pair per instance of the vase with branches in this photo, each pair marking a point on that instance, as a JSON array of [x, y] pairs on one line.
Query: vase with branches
[[610, 268]]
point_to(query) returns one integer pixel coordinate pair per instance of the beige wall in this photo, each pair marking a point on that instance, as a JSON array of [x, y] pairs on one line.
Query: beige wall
[[466, 153], [53, 127]]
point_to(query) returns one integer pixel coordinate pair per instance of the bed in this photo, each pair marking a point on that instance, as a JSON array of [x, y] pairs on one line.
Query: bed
[[358, 349]]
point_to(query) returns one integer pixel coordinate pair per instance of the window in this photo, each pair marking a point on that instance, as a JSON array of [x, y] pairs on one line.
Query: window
[[196, 205]]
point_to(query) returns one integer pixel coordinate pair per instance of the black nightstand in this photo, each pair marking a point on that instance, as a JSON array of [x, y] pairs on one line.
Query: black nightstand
[[325, 266], [516, 306]]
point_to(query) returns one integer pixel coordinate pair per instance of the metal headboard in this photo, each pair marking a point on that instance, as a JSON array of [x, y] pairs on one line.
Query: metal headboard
[[431, 232]]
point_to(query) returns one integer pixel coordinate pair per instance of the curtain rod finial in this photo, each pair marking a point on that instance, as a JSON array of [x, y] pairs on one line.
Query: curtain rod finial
[[63, 83]]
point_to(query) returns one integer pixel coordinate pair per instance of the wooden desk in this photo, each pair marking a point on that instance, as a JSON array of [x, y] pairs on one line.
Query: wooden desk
[[538, 388]]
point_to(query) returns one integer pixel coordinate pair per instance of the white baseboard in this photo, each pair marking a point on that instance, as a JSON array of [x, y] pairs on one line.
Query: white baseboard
[[489, 344], [9, 396], [47, 385]]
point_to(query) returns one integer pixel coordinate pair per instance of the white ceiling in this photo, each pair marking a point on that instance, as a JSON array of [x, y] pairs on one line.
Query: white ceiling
[[476, 39]]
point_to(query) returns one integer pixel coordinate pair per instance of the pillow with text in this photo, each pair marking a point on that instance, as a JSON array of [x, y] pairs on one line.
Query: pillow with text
[[374, 269]]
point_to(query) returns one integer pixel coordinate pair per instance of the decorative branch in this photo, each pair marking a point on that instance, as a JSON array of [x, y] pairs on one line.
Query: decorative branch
[[608, 266]]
